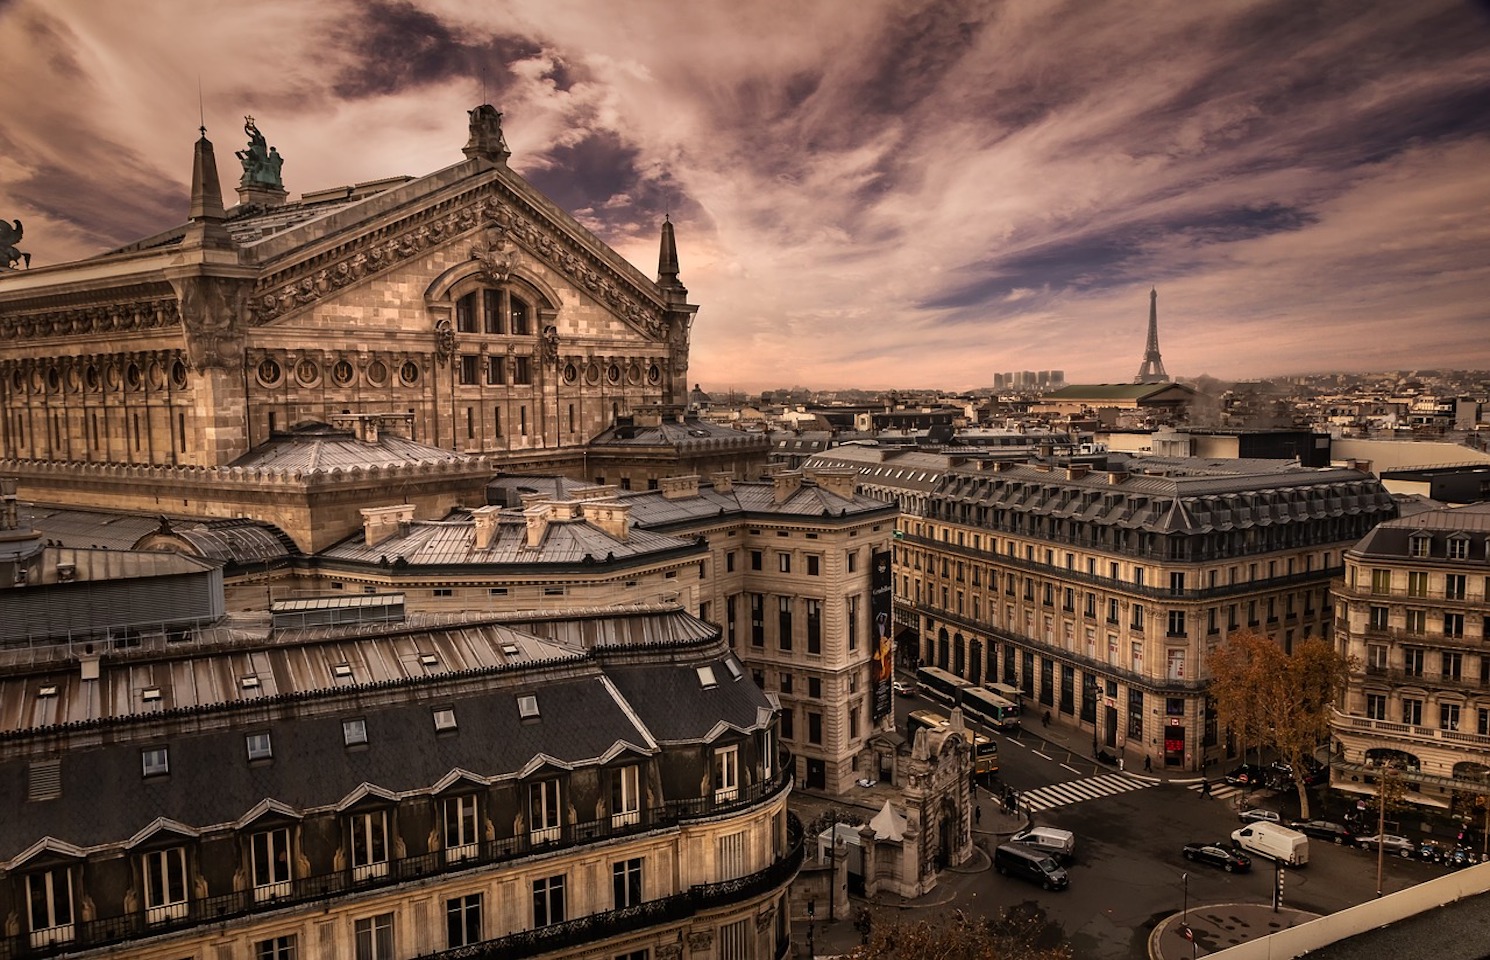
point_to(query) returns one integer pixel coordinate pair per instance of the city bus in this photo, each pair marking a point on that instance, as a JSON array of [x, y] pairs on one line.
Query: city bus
[[989, 708], [985, 748], [944, 686], [1009, 692]]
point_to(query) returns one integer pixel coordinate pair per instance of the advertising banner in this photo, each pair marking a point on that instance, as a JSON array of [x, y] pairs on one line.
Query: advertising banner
[[881, 590]]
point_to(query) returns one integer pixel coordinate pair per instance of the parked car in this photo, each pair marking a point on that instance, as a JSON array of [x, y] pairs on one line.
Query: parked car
[[1394, 844], [1259, 813], [1325, 830], [1274, 842], [1248, 775], [1314, 773], [1218, 854]]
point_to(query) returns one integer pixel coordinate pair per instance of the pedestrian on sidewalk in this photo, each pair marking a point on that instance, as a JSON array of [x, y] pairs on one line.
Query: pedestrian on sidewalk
[[1148, 764], [977, 813], [1045, 719]]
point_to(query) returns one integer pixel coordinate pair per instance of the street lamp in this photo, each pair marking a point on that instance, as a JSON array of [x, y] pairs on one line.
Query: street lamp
[[1185, 913]]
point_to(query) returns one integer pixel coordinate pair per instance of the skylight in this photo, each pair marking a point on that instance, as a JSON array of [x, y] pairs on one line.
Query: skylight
[[527, 707], [260, 747], [706, 677], [354, 732], [150, 694], [342, 670], [445, 719], [733, 666], [429, 660], [250, 682]]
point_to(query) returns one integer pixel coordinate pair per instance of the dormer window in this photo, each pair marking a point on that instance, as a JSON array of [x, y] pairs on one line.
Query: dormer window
[[445, 720], [527, 707], [1418, 545], [49, 899], [1459, 547], [260, 747], [155, 762]]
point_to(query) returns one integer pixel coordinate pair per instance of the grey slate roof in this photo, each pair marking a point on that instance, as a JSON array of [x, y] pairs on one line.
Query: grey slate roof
[[451, 542], [591, 706], [1392, 540], [650, 508]]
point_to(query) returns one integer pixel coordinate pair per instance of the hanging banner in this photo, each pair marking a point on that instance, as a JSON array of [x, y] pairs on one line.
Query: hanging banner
[[881, 591]]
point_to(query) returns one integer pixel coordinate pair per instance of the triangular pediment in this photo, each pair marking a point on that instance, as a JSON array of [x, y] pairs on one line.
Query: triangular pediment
[[162, 831], [48, 851], [467, 209], [268, 812]]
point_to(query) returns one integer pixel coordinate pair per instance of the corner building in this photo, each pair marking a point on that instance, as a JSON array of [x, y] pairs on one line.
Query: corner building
[[598, 785], [1099, 594], [1413, 610]]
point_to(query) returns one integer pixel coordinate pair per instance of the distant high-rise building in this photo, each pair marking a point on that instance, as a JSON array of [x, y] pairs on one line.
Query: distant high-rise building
[[1152, 369]]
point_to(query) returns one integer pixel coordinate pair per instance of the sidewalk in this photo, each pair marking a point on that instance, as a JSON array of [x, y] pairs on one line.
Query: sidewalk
[[1215, 928]]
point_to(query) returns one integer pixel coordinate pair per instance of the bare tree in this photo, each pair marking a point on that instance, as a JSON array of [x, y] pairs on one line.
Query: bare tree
[[1016, 934]]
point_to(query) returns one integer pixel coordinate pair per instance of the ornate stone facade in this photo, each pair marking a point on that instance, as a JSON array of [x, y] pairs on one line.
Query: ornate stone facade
[[464, 299]]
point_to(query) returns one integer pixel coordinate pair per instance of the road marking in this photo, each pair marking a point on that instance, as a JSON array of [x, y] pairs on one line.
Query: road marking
[[1072, 769], [1017, 743], [1038, 753], [1076, 791]]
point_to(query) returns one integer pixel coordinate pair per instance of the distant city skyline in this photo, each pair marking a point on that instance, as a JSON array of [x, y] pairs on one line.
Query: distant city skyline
[[874, 195]]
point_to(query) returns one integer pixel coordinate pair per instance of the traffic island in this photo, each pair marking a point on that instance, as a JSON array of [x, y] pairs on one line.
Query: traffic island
[[1204, 930]]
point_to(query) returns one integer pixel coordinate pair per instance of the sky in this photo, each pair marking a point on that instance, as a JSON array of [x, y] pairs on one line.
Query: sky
[[866, 193]]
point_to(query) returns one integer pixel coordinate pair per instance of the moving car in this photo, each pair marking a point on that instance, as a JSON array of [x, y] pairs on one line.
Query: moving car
[[1401, 846], [1258, 813], [1060, 844], [904, 688], [1019, 860], [1219, 854], [1248, 775], [1325, 830]]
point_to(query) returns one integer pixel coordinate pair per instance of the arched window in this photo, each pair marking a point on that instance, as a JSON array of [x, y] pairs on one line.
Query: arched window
[[495, 312]]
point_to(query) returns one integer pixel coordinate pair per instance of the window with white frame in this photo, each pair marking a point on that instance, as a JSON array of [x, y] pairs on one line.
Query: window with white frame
[[543, 811], [1448, 716], [374, 937], [548, 901], [463, 920], [369, 844], [259, 746], [726, 773], [165, 884], [625, 795], [1412, 711], [49, 904], [461, 840], [155, 762], [282, 947], [354, 732], [768, 754], [270, 852], [626, 883]]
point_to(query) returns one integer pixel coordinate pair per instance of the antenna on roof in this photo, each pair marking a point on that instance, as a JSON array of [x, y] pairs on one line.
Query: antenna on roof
[[201, 110]]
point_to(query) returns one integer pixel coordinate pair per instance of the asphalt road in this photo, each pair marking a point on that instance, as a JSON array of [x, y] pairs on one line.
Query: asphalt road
[[1129, 872]]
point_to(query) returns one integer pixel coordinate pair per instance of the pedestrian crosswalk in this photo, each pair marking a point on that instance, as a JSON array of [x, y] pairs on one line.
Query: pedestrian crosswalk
[[1075, 791], [1221, 790]]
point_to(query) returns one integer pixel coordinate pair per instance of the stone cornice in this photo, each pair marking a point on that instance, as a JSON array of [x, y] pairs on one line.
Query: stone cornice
[[142, 307], [491, 205], [241, 478]]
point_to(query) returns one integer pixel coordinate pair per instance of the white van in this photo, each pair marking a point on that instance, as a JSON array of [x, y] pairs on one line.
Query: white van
[[1272, 841], [1060, 844]]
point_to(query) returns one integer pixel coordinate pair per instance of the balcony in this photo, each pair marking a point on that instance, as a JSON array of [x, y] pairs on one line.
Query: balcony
[[322, 888], [1425, 679], [592, 929], [1406, 732]]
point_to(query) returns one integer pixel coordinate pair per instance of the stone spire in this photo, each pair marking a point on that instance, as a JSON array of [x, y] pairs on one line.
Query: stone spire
[[206, 215], [486, 139], [1152, 369], [206, 193], [668, 258]]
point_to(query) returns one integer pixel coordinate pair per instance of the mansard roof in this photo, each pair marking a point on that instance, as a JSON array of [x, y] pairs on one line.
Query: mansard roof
[[634, 687], [1170, 495], [1392, 540], [655, 509]]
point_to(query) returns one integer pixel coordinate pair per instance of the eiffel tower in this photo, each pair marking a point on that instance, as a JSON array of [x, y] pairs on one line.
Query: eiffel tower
[[1152, 370]]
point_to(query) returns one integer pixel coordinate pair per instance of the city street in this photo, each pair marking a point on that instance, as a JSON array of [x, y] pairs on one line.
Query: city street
[[1129, 872]]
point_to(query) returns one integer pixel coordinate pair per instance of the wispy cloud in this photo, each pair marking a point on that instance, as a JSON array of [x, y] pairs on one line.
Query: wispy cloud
[[866, 194]]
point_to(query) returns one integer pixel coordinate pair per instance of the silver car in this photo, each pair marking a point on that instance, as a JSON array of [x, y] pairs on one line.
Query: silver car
[[1401, 846]]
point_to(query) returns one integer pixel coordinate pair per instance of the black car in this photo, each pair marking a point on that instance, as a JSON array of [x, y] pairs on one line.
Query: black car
[[1248, 775], [1325, 830], [1218, 854]]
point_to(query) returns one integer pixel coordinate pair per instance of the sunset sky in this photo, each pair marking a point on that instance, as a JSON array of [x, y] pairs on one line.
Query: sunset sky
[[867, 193]]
